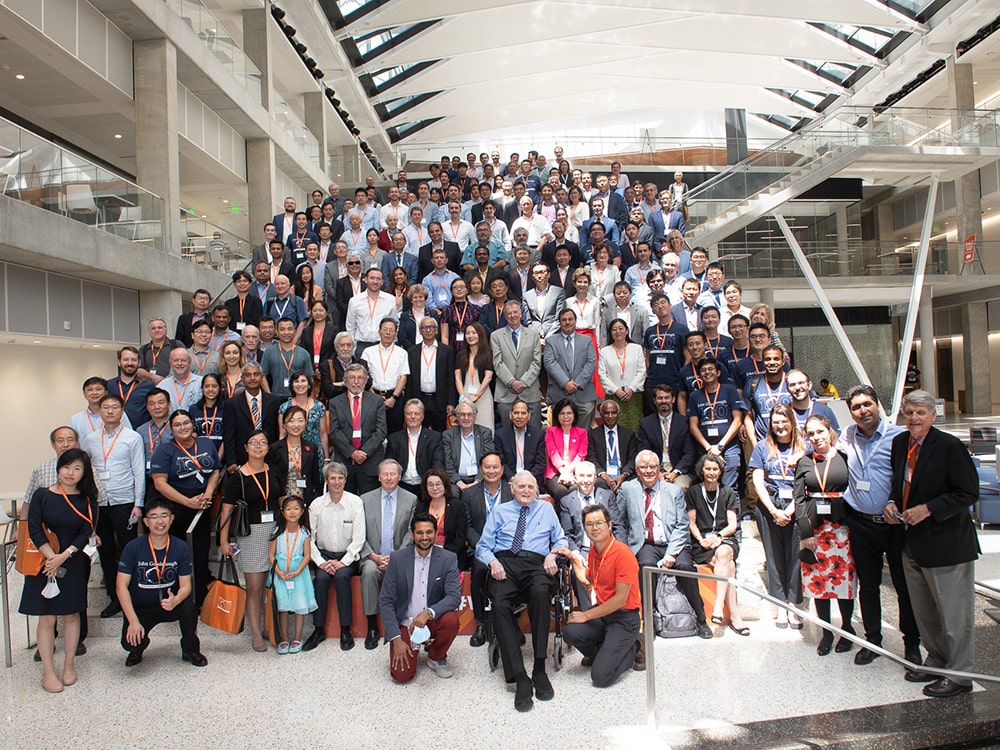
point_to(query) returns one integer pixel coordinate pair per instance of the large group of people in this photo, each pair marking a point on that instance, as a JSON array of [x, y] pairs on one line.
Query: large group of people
[[480, 373]]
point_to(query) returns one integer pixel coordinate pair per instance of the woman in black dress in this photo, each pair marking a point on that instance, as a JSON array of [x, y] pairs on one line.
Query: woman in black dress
[[296, 461], [437, 499], [69, 510]]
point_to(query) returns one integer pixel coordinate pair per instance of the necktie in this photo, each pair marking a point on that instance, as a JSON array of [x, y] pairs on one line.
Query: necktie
[[649, 515], [612, 450], [911, 463], [255, 412], [586, 500], [522, 524], [513, 336], [387, 518], [399, 260], [356, 422]]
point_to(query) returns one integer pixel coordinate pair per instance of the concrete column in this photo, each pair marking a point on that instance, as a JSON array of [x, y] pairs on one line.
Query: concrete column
[[843, 239], [165, 303], [925, 323], [264, 204], [257, 34], [316, 109], [968, 195], [156, 154], [978, 391], [350, 165]]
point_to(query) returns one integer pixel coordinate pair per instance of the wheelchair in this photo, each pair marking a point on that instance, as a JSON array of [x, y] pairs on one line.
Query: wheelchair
[[562, 605]]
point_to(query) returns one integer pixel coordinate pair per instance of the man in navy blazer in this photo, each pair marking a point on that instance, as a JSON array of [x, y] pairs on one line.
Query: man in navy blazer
[[680, 447], [396, 257], [416, 442], [237, 416], [285, 222], [521, 442], [408, 610]]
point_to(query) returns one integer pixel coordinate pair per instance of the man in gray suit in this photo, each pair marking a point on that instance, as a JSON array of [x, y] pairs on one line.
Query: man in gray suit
[[260, 252], [544, 302], [570, 361], [517, 362], [658, 529], [388, 511], [357, 430], [636, 316], [408, 609], [463, 444]]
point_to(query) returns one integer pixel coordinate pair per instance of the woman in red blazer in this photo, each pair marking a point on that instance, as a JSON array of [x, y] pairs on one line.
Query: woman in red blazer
[[566, 446]]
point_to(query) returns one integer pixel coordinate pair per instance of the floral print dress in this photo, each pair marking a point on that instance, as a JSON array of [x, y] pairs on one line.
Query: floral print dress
[[821, 512]]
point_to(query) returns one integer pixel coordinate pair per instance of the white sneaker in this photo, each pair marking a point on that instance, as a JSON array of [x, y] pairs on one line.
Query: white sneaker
[[442, 668]]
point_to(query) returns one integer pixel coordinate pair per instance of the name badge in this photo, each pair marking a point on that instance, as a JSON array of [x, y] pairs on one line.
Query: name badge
[[823, 507], [200, 477], [149, 465], [909, 474], [459, 336], [613, 471], [266, 516], [240, 325], [300, 483], [286, 382], [713, 432], [104, 475], [356, 434], [315, 360], [290, 584], [661, 360], [215, 437], [785, 493], [93, 540], [864, 486]]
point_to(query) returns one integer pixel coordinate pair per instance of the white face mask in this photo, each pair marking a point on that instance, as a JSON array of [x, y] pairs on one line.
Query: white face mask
[[420, 635], [51, 590]]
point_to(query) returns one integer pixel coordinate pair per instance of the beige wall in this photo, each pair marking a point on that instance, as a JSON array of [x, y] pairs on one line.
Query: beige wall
[[42, 386]]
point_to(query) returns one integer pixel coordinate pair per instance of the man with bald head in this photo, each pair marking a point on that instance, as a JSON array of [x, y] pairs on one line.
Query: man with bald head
[[182, 386]]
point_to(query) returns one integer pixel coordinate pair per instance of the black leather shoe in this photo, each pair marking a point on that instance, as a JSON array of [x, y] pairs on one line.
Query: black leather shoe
[[37, 658], [81, 649], [543, 688], [522, 695], [912, 655], [704, 631], [865, 657], [479, 637], [346, 639], [372, 639], [111, 610], [133, 658], [315, 638], [195, 659], [825, 643], [913, 675], [843, 646], [945, 688]]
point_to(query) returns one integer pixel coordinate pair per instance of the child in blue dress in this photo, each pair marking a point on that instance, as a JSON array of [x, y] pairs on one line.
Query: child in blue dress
[[293, 586]]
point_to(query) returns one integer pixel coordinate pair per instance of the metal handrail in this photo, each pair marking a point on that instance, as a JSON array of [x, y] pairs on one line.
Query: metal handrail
[[649, 634]]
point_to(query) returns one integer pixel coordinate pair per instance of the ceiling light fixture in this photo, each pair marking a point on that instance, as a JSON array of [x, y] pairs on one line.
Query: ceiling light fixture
[[19, 76], [118, 136]]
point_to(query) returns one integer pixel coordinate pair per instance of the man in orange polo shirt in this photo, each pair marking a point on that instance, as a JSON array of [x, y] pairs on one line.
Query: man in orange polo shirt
[[607, 634]]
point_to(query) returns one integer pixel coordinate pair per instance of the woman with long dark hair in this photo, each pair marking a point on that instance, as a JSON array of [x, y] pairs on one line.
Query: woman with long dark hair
[[474, 373]]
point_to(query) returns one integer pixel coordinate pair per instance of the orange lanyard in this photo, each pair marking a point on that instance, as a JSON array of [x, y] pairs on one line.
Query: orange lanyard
[[125, 396], [157, 566], [371, 306], [461, 318], [519, 447], [290, 550], [712, 402], [105, 454], [661, 338], [621, 360], [295, 458], [746, 353], [454, 231], [382, 362], [428, 362], [242, 301], [583, 309], [355, 411], [178, 393], [265, 491], [186, 453], [155, 351], [210, 425], [291, 360], [317, 341], [821, 481], [604, 555], [89, 518], [411, 445], [149, 431], [714, 352], [89, 420], [231, 386]]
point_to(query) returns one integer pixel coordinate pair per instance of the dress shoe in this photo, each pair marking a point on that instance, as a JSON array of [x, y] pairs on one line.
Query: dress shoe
[[639, 664], [865, 656], [912, 655], [81, 649], [704, 631], [522, 695], [111, 610], [37, 658], [825, 643], [543, 688], [945, 688], [587, 661], [843, 646], [346, 639], [372, 639], [133, 658], [315, 638], [479, 637], [914, 675], [195, 658]]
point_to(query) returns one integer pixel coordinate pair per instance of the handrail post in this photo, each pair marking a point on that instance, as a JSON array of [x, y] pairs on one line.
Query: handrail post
[[648, 637]]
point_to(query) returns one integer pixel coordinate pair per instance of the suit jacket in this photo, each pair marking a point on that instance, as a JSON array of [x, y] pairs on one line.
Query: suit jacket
[[330, 372], [673, 514], [523, 364], [279, 222], [534, 451], [614, 208], [637, 325], [543, 313], [509, 213], [517, 289], [182, 331], [430, 453], [312, 464], [389, 265], [237, 424], [679, 312], [451, 441], [571, 515], [561, 369], [252, 310], [628, 448], [343, 291], [680, 446], [260, 254], [555, 445], [326, 349], [405, 503], [451, 249], [444, 372], [474, 507], [945, 480], [444, 590], [549, 259], [373, 430], [454, 526]]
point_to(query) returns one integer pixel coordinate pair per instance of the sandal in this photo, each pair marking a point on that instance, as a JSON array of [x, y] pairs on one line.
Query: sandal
[[71, 680], [283, 647], [295, 647], [57, 689], [740, 631], [717, 620]]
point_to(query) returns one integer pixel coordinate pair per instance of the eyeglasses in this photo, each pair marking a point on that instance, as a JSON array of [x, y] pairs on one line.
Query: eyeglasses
[[595, 524], [354, 262], [158, 517], [257, 443]]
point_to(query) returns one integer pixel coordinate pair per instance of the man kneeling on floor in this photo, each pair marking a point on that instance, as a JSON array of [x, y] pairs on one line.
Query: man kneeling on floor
[[607, 634], [154, 586], [420, 593]]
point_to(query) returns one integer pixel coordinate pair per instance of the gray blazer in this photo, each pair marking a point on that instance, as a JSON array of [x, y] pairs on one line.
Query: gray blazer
[[524, 364], [373, 430], [543, 314], [561, 370], [405, 503], [451, 440], [570, 515], [637, 328], [444, 590], [673, 514]]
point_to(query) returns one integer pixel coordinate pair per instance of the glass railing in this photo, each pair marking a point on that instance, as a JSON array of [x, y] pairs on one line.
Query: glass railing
[[217, 39], [793, 157], [48, 176], [853, 259], [207, 244], [296, 128]]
